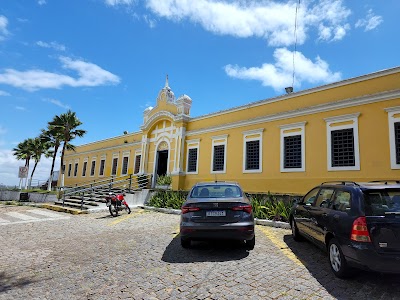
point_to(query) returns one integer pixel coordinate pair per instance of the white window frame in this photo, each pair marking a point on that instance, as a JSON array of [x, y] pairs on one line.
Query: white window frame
[[250, 136], [329, 128], [94, 159], [115, 155], [85, 160], [393, 117], [69, 171], [193, 144], [103, 157], [287, 131], [218, 141], [137, 153], [125, 154], [76, 168]]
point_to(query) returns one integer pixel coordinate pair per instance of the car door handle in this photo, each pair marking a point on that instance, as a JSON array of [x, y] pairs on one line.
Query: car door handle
[[336, 217]]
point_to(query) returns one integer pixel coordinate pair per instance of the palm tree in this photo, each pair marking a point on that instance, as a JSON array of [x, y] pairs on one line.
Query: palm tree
[[53, 138], [66, 125], [39, 147], [24, 151]]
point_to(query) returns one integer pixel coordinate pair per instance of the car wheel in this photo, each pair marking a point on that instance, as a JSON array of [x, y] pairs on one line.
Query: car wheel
[[250, 243], [295, 231], [185, 243], [337, 261]]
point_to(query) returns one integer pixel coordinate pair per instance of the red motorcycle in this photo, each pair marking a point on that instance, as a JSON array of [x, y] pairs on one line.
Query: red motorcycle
[[117, 203]]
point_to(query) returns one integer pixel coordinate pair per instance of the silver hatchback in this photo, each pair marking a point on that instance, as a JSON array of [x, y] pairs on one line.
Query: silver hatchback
[[217, 210]]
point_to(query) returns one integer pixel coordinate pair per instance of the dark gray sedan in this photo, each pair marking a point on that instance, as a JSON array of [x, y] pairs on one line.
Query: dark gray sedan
[[217, 210]]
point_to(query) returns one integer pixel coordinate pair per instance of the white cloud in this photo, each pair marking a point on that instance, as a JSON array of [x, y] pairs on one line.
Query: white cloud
[[41, 2], [53, 45], [20, 108], [271, 20], [3, 27], [9, 167], [370, 22], [119, 2], [89, 75], [279, 75], [57, 102], [3, 93]]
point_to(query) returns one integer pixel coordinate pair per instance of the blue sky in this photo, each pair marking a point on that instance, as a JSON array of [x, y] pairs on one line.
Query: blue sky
[[107, 60]]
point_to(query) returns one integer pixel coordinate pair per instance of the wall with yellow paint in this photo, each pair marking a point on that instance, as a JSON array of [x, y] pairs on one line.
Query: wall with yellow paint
[[367, 97]]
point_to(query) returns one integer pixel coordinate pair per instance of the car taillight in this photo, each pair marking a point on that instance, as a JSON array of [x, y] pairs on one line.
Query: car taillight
[[359, 231], [246, 208], [186, 209]]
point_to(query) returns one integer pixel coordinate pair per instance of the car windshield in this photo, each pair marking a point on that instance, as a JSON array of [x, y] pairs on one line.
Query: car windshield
[[379, 202], [216, 191]]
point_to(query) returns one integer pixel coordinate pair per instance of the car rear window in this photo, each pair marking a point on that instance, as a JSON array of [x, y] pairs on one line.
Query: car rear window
[[378, 202], [216, 191]]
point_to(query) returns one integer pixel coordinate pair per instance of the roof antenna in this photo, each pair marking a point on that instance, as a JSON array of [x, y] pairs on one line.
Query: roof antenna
[[295, 42]]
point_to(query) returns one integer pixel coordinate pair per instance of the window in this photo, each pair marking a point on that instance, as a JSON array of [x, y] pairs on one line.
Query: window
[[93, 167], [324, 197], [218, 162], [84, 168], [124, 170], [102, 165], [309, 199], [341, 201], [343, 148], [293, 147], [394, 136], [138, 157], [114, 166], [76, 169], [192, 156], [252, 151], [69, 169]]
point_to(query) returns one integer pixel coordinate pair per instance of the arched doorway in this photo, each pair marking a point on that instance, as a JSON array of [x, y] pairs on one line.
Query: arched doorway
[[161, 160]]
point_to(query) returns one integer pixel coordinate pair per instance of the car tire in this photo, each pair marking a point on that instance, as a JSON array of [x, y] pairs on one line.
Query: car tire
[[337, 260], [295, 231], [250, 243], [185, 243]]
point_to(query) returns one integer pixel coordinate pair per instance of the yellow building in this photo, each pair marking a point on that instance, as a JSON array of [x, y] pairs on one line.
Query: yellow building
[[348, 130]]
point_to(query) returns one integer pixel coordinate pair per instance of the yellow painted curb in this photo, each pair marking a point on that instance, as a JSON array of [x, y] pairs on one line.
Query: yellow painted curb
[[63, 209]]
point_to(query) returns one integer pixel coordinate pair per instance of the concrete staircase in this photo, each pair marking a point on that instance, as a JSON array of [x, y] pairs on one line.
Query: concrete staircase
[[91, 196]]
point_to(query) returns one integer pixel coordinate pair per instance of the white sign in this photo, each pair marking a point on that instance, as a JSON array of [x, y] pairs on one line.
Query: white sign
[[23, 172]]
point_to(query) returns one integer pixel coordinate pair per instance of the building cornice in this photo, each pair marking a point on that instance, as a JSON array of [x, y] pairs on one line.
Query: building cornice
[[121, 147], [351, 102], [301, 93]]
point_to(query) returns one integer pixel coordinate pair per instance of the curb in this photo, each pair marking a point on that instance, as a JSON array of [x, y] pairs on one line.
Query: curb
[[263, 222]]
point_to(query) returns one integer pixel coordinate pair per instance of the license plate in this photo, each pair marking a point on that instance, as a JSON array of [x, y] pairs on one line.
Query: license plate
[[216, 213]]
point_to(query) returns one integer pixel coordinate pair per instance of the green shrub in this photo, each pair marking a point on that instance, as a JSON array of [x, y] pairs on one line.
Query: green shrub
[[168, 199], [164, 180], [268, 207]]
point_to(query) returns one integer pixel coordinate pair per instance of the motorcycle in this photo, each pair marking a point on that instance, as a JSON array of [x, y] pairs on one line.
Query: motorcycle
[[117, 203]]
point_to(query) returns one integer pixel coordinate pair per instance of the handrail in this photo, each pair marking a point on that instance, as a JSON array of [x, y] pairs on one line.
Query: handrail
[[141, 181]]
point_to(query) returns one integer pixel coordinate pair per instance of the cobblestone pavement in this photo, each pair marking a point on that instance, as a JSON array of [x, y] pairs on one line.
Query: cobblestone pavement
[[138, 256]]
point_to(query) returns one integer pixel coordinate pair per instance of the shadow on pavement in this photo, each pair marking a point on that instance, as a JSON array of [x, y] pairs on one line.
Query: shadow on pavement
[[10, 282], [361, 284], [204, 251]]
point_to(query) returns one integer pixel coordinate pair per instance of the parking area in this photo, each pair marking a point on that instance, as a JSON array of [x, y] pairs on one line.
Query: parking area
[[138, 256]]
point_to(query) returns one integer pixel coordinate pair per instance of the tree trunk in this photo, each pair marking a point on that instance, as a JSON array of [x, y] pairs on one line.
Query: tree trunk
[[52, 168]]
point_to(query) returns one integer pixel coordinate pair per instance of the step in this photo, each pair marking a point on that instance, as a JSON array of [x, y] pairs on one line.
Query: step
[[70, 204], [79, 201]]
